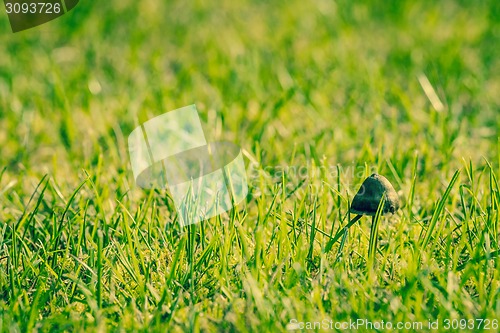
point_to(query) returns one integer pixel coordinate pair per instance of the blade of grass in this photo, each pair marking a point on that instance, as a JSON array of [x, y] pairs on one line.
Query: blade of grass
[[372, 244], [439, 209]]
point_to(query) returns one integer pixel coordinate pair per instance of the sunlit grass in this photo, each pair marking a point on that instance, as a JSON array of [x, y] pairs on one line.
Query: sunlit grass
[[319, 95]]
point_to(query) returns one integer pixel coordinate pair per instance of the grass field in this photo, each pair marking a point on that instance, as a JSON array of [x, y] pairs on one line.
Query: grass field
[[318, 94]]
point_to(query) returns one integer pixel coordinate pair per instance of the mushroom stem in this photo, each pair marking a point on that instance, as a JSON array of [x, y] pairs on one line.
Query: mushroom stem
[[342, 231], [373, 232], [372, 247]]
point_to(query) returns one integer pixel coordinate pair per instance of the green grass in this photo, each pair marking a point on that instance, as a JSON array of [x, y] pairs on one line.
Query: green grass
[[319, 94]]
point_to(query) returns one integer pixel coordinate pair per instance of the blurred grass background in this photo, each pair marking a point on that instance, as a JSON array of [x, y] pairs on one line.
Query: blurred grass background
[[321, 82]]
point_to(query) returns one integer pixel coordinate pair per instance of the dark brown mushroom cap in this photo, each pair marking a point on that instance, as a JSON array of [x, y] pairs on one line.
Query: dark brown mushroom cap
[[367, 199]]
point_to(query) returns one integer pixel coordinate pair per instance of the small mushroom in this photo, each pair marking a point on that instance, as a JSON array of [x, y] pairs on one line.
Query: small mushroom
[[368, 198]]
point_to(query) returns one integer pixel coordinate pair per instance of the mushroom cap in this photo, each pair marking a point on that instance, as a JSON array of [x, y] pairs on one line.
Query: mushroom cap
[[370, 193]]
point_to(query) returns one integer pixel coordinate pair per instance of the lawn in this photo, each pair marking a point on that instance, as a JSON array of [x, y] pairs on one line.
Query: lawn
[[319, 95]]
